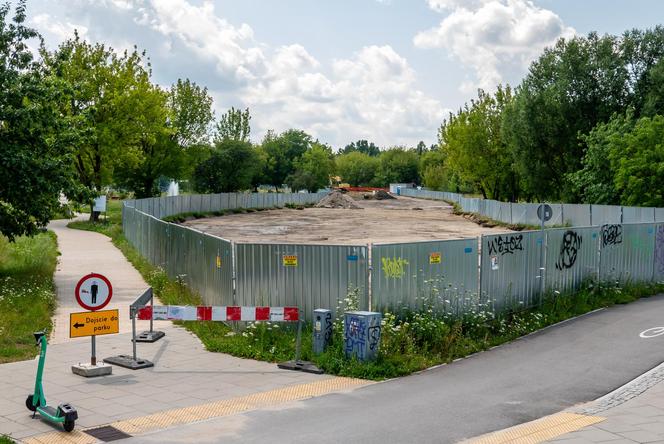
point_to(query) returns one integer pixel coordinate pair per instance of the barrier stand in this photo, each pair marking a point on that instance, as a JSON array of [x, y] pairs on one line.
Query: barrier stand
[[297, 364], [132, 362], [151, 335]]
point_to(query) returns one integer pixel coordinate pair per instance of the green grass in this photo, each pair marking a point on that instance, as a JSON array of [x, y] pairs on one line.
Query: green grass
[[27, 293], [4, 439], [411, 340]]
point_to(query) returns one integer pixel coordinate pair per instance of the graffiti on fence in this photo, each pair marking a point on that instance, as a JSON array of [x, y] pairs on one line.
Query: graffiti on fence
[[659, 249], [569, 250], [506, 244], [394, 267], [612, 235], [356, 340]]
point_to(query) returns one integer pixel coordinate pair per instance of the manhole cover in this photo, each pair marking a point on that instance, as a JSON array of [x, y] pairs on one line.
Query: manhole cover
[[107, 433]]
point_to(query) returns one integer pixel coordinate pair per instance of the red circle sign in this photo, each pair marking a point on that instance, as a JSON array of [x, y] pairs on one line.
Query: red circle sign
[[93, 292]]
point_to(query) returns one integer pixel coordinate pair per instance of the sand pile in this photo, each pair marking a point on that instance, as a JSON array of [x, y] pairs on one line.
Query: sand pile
[[336, 199], [382, 195]]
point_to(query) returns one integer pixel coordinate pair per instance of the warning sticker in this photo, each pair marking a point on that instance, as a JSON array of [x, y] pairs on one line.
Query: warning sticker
[[290, 260], [434, 258], [494, 262], [218, 261]]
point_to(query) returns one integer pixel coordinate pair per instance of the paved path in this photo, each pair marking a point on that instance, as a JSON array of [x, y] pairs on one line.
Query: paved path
[[542, 374], [83, 252]]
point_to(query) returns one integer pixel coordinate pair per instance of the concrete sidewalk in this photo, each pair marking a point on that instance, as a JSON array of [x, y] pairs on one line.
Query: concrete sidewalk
[[83, 252]]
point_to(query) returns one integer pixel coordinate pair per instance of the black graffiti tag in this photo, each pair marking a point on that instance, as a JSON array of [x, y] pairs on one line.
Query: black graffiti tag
[[506, 244], [569, 249], [611, 235]]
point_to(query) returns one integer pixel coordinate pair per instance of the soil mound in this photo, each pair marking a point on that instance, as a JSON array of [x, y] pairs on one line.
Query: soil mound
[[382, 195], [337, 199]]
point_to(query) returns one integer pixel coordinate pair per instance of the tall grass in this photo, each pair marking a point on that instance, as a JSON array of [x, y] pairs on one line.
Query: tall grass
[[27, 293]]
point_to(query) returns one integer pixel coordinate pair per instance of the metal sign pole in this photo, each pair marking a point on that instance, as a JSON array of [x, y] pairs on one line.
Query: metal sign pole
[[93, 358], [298, 343], [133, 333]]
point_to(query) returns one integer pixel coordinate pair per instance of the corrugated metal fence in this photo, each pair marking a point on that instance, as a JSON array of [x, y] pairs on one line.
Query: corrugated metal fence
[[493, 272]]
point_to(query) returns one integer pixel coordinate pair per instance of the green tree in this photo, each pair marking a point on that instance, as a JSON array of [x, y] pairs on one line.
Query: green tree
[[234, 125], [229, 168], [313, 169], [568, 90], [356, 168], [474, 147], [595, 182], [434, 171], [282, 151], [35, 163], [361, 146], [398, 165], [638, 162]]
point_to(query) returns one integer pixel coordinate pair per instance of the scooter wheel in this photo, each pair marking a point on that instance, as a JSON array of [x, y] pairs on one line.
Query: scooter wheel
[[68, 425], [29, 405]]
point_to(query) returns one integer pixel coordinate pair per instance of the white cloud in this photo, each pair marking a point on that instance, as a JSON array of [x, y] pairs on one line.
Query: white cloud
[[493, 37], [61, 30]]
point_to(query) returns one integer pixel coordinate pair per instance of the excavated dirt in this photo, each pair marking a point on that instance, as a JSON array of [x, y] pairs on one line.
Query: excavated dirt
[[337, 199], [395, 220]]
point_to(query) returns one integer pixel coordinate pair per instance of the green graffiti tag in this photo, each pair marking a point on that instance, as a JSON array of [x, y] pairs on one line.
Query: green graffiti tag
[[394, 267]]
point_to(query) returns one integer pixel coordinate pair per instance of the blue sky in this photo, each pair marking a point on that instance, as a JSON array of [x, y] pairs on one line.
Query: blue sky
[[384, 70]]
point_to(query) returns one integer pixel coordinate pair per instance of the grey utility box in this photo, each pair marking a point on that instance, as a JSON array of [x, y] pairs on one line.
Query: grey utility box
[[322, 330], [362, 334]]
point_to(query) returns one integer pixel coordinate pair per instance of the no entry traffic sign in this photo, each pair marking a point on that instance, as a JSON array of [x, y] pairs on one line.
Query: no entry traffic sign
[[93, 292]]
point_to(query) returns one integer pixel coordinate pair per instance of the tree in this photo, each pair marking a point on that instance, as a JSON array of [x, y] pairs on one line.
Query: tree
[[313, 169], [35, 163], [356, 168], [398, 165], [638, 161], [282, 151], [361, 146], [229, 168], [190, 113], [434, 171], [474, 147], [421, 148], [234, 125], [595, 182], [568, 90]]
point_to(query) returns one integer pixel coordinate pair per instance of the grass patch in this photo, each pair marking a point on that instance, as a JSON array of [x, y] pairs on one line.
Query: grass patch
[[4, 439], [27, 293], [411, 340]]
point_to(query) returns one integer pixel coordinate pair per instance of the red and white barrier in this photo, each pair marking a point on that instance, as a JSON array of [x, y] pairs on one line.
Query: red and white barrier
[[191, 313]]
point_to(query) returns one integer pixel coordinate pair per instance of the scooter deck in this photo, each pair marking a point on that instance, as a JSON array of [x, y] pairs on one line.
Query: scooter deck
[[51, 413]]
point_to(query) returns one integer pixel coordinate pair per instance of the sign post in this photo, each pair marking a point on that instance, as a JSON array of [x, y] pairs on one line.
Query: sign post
[[544, 213], [93, 292]]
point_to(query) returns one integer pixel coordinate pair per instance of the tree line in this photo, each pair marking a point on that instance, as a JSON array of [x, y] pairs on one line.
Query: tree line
[[586, 124]]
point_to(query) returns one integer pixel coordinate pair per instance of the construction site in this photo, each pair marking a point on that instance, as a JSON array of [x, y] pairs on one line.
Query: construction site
[[345, 219]]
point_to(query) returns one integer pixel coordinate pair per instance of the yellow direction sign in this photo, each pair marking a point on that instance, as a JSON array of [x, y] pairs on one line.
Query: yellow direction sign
[[93, 323]]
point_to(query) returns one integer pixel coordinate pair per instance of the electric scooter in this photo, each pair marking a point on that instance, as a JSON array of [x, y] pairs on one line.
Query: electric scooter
[[64, 414]]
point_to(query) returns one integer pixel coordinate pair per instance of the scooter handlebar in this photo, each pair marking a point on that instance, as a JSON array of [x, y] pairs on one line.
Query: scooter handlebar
[[38, 336]]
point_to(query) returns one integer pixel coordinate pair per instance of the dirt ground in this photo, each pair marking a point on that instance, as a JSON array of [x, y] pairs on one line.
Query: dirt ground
[[400, 220]]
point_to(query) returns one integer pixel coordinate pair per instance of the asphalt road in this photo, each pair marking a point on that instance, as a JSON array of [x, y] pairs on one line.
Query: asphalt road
[[567, 364]]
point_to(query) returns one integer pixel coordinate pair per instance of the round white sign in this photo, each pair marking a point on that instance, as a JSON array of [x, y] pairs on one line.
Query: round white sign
[[93, 292]]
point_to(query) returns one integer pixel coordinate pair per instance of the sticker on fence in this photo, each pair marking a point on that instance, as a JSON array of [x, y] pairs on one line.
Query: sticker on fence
[[494, 262], [434, 258], [218, 261], [290, 260]]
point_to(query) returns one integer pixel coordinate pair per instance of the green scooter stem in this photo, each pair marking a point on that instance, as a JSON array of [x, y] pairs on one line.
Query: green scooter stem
[[38, 398]]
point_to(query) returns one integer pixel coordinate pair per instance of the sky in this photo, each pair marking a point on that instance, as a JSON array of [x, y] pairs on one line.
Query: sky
[[388, 71]]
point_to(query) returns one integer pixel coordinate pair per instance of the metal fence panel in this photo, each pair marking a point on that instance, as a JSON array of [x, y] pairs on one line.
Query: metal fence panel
[[659, 214], [572, 256], [576, 215], [443, 274], [605, 214], [658, 259], [510, 277], [638, 215], [627, 252], [305, 276]]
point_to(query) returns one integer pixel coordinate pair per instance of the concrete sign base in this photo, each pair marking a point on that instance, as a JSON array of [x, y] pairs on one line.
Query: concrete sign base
[[91, 371]]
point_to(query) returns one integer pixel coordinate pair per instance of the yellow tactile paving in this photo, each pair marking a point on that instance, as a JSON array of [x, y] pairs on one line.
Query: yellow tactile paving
[[186, 415], [538, 431]]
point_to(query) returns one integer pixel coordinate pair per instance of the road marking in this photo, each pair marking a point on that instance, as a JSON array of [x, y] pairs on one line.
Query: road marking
[[539, 430], [652, 332], [195, 413]]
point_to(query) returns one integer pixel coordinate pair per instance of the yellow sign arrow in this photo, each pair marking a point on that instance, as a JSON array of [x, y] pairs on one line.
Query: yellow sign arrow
[[93, 323]]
